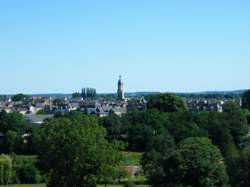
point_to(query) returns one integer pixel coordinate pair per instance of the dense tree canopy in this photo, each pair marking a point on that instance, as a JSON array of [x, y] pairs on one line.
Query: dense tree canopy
[[137, 128], [161, 147], [11, 126], [166, 102], [19, 97], [246, 100], [195, 162], [75, 152], [243, 169], [76, 95]]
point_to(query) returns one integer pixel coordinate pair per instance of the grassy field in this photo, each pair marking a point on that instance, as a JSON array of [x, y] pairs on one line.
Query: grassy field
[[21, 158], [132, 158]]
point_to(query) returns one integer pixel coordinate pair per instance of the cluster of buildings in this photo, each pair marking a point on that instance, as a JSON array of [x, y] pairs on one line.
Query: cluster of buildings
[[36, 109], [212, 104]]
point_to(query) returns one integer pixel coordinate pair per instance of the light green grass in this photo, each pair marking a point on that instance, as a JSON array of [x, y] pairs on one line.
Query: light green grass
[[22, 158], [132, 158]]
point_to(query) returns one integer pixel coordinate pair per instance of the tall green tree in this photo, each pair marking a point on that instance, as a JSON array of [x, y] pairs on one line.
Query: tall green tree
[[246, 100], [19, 97], [195, 162], [152, 160], [166, 102], [76, 95], [75, 153], [243, 169], [11, 127]]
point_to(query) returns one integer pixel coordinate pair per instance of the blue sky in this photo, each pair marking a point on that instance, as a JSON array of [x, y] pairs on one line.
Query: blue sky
[[169, 45]]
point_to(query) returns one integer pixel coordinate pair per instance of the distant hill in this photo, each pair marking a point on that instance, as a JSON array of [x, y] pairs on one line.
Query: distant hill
[[140, 94], [236, 92]]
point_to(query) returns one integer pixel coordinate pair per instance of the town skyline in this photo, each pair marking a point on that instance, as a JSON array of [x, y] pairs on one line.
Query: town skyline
[[125, 91]]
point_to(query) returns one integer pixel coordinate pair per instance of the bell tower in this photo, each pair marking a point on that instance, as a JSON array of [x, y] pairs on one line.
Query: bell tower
[[120, 90]]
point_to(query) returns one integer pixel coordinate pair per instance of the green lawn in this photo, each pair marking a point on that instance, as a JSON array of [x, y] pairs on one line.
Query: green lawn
[[132, 158], [22, 158]]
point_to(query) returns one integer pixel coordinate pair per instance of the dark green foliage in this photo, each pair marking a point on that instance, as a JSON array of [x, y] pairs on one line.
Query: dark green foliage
[[246, 112], [32, 144], [15, 121], [88, 93], [137, 128], [27, 173], [166, 103], [182, 125], [246, 100], [76, 95], [19, 97], [76, 153], [230, 107], [242, 170], [3, 97], [114, 126], [195, 162], [12, 121], [237, 123], [11, 126], [152, 161]]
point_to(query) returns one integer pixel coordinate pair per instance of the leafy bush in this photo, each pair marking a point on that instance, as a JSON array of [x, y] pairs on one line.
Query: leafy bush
[[6, 169], [27, 173]]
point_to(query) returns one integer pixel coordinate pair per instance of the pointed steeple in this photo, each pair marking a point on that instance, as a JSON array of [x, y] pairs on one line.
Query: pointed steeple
[[120, 91]]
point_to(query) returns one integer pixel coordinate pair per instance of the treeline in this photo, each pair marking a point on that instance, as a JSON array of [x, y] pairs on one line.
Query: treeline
[[86, 93], [15, 98], [184, 148], [211, 95]]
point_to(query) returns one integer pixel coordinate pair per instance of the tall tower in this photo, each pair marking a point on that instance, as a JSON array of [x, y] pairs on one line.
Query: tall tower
[[120, 91]]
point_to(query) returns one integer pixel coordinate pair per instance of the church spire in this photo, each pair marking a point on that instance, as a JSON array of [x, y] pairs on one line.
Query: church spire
[[120, 90]]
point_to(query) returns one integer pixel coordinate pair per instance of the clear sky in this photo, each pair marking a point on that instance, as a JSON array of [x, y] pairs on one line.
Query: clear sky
[[156, 45]]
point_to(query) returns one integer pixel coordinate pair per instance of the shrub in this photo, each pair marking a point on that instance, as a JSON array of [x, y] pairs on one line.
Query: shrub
[[6, 169], [27, 173]]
